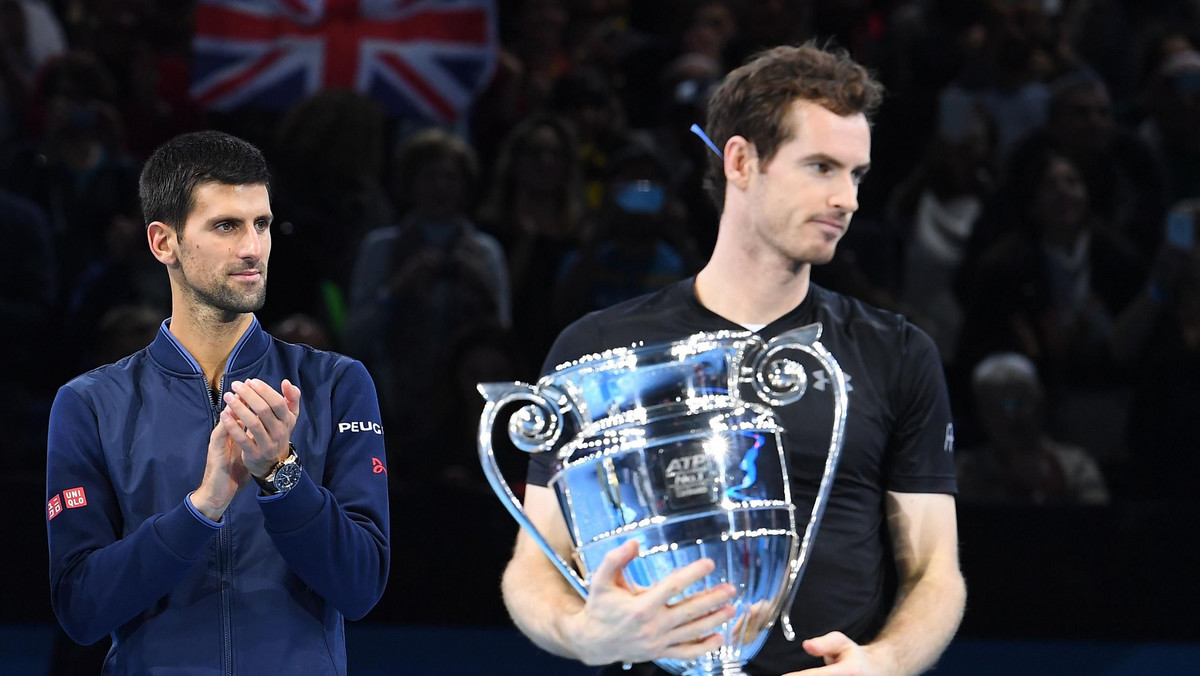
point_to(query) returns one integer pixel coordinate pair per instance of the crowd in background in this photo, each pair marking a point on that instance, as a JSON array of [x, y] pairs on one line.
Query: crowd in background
[[1028, 164]]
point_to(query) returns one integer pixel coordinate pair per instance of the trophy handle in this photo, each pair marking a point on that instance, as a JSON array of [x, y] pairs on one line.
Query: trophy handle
[[783, 381], [779, 382], [533, 429]]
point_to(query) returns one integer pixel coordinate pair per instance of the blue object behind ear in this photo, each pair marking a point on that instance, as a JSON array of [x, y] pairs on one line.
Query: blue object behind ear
[[695, 129]]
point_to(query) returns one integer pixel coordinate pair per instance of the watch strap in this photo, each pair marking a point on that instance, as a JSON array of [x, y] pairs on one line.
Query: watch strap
[[267, 483]]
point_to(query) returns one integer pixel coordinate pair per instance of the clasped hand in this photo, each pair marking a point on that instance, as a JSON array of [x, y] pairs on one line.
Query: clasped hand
[[260, 421], [250, 438]]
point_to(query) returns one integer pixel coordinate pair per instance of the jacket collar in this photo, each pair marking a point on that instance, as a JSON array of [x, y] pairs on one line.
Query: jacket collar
[[169, 353]]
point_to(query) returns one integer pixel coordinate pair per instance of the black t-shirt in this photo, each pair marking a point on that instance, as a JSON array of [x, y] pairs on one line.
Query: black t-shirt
[[898, 437]]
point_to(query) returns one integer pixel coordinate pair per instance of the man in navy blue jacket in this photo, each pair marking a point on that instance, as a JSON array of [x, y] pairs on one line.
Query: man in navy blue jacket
[[200, 509]]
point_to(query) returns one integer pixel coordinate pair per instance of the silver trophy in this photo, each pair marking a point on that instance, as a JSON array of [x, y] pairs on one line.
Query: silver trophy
[[675, 446]]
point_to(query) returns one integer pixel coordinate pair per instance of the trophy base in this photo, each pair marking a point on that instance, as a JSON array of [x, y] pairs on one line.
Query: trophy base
[[734, 669]]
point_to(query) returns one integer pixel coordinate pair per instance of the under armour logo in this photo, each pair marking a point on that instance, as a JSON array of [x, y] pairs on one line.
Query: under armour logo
[[377, 466], [820, 380], [948, 445]]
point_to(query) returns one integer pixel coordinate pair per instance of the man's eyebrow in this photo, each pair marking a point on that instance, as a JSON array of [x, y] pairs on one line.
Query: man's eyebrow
[[228, 218], [828, 159]]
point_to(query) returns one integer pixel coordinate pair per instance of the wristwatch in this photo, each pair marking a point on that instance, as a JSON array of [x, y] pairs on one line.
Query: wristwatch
[[282, 476]]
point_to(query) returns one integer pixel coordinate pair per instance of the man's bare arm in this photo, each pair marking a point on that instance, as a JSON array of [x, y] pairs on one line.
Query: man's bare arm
[[932, 594], [616, 623], [929, 603]]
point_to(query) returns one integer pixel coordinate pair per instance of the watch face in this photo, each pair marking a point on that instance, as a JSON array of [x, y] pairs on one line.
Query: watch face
[[286, 477]]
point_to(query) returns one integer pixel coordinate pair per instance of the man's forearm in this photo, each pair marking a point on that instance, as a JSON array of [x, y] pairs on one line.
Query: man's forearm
[[540, 601], [356, 534], [93, 591], [927, 614]]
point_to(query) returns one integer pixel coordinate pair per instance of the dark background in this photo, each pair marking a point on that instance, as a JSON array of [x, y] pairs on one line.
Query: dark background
[[80, 112]]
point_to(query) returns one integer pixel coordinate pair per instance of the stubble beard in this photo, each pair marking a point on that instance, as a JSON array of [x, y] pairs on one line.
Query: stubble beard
[[225, 299]]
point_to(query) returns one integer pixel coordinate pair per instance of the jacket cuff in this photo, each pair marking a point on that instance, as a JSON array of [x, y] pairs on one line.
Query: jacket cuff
[[185, 533], [294, 509]]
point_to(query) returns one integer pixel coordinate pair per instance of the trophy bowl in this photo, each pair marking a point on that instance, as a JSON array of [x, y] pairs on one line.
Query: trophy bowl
[[675, 446]]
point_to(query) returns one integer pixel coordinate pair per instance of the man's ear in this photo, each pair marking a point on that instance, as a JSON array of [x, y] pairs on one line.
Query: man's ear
[[740, 161], [162, 243]]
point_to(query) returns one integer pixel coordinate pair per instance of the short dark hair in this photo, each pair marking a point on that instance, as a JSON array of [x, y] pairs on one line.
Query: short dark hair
[[168, 182], [754, 100]]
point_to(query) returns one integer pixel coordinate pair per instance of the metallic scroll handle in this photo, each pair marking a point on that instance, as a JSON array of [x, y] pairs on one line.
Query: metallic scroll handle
[[781, 382], [535, 427]]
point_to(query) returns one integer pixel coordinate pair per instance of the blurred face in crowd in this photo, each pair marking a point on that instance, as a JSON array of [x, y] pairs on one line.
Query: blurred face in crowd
[[219, 257], [1060, 206], [541, 161], [1084, 122], [711, 28], [73, 134], [439, 189], [1009, 411], [799, 203]]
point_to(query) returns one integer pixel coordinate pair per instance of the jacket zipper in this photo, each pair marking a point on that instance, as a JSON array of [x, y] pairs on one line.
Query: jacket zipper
[[224, 554]]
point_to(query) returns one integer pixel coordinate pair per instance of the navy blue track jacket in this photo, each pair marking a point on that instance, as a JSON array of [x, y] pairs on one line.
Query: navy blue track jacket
[[263, 591]]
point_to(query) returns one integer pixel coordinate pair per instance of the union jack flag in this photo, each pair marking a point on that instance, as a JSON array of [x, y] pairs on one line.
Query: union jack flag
[[418, 58]]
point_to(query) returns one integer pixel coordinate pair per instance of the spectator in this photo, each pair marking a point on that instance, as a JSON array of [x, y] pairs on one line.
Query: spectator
[[935, 211], [601, 37], [533, 55], [533, 208], [709, 27], [1019, 463], [1005, 71], [80, 175], [1124, 180], [1049, 288], [417, 283], [148, 74], [1038, 288], [124, 276], [586, 98], [635, 245]]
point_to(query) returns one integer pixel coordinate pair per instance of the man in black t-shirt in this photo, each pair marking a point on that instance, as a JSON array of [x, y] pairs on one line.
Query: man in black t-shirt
[[883, 593]]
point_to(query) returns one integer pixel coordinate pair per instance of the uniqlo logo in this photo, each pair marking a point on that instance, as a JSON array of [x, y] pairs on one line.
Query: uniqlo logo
[[54, 507], [75, 497]]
